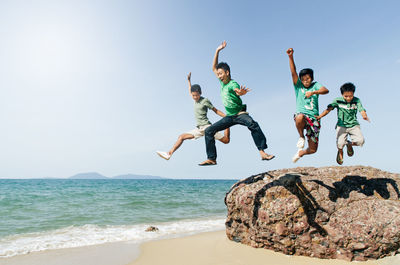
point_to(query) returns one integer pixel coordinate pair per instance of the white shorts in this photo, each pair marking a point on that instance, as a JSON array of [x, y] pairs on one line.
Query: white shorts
[[200, 131], [355, 135]]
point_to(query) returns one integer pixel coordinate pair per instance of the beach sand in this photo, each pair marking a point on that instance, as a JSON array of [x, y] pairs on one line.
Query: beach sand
[[214, 248]]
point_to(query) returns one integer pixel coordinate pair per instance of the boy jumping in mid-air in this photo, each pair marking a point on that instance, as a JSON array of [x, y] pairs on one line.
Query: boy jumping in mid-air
[[347, 124], [307, 93], [235, 113], [201, 106]]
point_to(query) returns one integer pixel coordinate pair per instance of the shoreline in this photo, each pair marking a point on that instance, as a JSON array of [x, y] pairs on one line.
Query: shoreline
[[203, 248], [111, 253], [117, 253], [88, 236]]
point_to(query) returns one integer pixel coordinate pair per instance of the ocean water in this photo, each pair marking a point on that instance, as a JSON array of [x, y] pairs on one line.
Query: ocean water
[[42, 214]]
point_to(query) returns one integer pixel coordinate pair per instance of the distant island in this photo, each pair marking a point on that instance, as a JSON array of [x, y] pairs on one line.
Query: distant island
[[95, 175]]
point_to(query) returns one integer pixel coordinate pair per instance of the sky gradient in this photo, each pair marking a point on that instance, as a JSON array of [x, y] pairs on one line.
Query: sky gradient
[[101, 85]]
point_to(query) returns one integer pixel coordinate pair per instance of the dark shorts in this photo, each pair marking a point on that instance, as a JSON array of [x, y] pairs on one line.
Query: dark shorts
[[312, 127]]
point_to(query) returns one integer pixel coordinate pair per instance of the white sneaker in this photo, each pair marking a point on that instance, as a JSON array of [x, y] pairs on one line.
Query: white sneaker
[[296, 157], [164, 155], [300, 143]]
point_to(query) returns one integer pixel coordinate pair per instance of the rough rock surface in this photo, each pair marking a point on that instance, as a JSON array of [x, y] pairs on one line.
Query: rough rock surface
[[350, 213]]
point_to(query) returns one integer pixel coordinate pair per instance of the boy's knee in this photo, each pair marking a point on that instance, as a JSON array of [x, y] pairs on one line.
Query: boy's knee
[[209, 132], [225, 140], [299, 117], [340, 144], [312, 150], [359, 142], [253, 126]]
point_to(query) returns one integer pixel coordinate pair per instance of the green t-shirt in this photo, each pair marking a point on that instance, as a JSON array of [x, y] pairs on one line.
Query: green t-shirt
[[232, 102], [347, 112], [305, 105], [200, 111]]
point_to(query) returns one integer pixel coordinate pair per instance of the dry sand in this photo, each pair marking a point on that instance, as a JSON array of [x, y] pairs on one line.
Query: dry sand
[[215, 248]]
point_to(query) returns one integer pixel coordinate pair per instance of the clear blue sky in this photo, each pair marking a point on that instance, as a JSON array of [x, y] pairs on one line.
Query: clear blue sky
[[101, 85]]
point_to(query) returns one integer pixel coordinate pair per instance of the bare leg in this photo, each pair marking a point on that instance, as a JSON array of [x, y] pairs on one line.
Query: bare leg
[[227, 136], [181, 138], [300, 124], [312, 148], [340, 154]]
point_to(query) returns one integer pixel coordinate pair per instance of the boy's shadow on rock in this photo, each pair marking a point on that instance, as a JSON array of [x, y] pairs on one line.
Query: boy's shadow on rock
[[342, 189], [292, 182]]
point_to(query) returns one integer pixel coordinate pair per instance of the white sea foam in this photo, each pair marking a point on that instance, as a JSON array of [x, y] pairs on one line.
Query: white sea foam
[[87, 235]]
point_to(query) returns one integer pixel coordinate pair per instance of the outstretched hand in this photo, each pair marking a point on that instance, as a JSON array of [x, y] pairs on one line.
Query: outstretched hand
[[365, 116], [189, 75], [290, 51], [223, 45], [242, 91]]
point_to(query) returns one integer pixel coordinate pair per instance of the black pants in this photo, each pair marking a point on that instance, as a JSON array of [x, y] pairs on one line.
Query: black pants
[[228, 121]]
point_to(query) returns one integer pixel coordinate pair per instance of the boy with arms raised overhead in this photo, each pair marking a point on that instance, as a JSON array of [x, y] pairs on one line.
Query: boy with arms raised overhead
[[307, 93], [347, 124], [235, 113], [201, 106]]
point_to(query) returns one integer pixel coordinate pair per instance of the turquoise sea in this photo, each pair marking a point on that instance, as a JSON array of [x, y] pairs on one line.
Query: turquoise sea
[[41, 214]]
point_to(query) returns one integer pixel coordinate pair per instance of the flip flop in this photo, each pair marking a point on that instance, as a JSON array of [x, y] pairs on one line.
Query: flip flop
[[350, 150], [208, 162], [268, 157], [338, 160]]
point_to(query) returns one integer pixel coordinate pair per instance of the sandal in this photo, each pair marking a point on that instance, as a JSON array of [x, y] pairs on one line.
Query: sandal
[[350, 150], [267, 157], [338, 159], [208, 162]]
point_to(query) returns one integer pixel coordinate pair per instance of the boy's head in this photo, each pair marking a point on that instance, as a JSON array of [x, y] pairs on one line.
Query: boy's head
[[224, 72], [347, 91], [306, 77], [195, 90]]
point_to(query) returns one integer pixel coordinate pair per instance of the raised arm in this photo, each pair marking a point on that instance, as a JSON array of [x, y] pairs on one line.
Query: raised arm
[[215, 61], [295, 77], [190, 84]]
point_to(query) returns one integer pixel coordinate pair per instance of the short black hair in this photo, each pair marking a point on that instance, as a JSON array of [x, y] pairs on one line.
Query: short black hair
[[224, 66], [195, 88], [307, 71], [347, 87]]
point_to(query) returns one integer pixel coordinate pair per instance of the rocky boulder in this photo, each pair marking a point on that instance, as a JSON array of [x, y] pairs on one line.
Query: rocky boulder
[[350, 213]]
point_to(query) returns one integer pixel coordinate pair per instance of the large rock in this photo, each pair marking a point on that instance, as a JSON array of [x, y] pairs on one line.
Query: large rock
[[350, 213]]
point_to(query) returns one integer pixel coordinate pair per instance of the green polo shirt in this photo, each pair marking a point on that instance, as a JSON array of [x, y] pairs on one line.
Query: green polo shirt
[[347, 111]]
